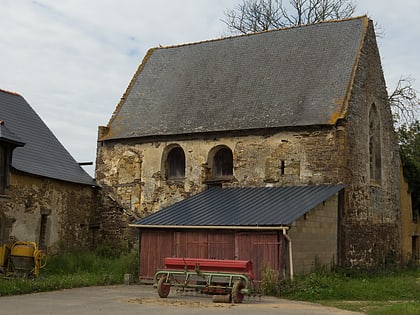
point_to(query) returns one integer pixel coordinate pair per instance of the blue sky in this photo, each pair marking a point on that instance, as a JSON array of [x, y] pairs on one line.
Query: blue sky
[[73, 59]]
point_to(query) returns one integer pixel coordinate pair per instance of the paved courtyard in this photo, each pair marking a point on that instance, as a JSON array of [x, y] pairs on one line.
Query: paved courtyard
[[142, 299]]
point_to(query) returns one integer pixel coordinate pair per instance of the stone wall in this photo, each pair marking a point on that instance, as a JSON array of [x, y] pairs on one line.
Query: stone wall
[[133, 174], [309, 157], [50, 212], [371, 219]]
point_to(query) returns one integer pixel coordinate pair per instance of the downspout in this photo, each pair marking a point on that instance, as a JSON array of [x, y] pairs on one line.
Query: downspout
[[289, 240]]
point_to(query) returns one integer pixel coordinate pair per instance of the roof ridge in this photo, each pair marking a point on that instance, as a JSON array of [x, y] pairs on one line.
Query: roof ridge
[[223, 71], [9, 92], [262, 32]]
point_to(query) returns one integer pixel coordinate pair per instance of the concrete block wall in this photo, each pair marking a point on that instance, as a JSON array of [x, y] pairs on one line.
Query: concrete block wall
[[314, 237]]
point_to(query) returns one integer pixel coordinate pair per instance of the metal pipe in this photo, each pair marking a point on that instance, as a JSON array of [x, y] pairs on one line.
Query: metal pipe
[[290, 253]]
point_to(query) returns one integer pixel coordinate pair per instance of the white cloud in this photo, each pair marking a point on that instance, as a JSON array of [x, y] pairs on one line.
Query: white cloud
[[398, 22], [72, 60]]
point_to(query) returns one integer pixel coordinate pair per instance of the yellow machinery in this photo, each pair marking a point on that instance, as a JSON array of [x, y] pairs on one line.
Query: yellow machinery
[[21, 258]]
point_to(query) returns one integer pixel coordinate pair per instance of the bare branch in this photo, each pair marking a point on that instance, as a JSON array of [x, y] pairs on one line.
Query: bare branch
[[404, 101], [262, 15]]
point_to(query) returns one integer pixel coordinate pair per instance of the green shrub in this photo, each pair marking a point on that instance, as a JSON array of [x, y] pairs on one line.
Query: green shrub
[[270, 280]]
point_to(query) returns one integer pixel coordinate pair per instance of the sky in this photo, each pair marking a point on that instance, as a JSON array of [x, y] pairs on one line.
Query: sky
[[72, 60]]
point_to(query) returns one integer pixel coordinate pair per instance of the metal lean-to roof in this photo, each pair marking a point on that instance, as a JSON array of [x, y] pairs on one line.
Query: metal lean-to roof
[[42, 153], [298, 76], [241, 207]]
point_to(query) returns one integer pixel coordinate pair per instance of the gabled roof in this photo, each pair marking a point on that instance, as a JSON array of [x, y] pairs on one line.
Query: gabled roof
[[42, 154], [240, 207], [297, 76]]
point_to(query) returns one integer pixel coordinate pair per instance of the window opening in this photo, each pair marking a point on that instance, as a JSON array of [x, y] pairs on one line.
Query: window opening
[[223, 163], [282, 167], [175, 164], [43, 232], [414, 248]]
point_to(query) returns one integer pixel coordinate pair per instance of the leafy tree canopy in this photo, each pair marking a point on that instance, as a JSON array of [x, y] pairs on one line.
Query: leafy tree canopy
[[409, 137]]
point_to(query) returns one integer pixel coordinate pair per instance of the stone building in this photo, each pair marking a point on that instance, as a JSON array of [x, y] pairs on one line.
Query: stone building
[[410, 227], [298, 107], [45, 196]]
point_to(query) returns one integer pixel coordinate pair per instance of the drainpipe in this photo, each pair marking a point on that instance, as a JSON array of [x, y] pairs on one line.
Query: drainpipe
[[289, 240]]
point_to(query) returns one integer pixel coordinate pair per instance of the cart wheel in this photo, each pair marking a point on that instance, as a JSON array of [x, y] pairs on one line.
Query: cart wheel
[[237, 296], [163, 287]]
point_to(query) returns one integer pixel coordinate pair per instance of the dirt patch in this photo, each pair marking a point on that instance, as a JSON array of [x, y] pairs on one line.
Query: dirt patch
[[181, 303]]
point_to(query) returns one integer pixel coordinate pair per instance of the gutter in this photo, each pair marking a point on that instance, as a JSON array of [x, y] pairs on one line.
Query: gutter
[[290, 253], [212, 227]]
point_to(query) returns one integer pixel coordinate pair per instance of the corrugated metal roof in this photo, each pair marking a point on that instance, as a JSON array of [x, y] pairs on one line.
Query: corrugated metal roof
[[290, 77], [270, 206], [42, 153]]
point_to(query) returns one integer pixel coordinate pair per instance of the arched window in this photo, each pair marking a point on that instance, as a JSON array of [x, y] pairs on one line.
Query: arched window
[[175, 163], [221, 162], [375, 152]]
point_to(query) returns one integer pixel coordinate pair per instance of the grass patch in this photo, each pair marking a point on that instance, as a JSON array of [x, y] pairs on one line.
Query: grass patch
[[379, 293], [75, 269]]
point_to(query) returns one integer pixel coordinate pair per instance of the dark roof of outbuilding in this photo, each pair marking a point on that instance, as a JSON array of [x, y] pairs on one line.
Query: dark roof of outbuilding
[[42, 154], [298, 76], [241, 207], [7, 135]]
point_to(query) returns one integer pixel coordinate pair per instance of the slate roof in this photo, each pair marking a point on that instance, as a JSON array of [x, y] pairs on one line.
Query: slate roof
[[42, 154], [297, 76], [7, 135], [241, 207]]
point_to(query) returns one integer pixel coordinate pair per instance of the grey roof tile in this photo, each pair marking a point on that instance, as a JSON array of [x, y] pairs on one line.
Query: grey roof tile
[[42, 153], [8, 136], [242, 207], [291, 77]]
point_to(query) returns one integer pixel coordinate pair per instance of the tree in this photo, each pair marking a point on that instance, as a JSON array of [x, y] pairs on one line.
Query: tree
[[405, 107], [404, 102], [409, 138], [262, 15]]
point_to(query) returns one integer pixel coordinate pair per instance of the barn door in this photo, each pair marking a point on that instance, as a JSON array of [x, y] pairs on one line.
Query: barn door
[[191, 244], [263, 249], [205, 244], [221, 245], [154, 247]]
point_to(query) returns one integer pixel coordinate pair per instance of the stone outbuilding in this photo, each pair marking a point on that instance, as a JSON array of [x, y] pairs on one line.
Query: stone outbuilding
[[45, 196], [297, 107]]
